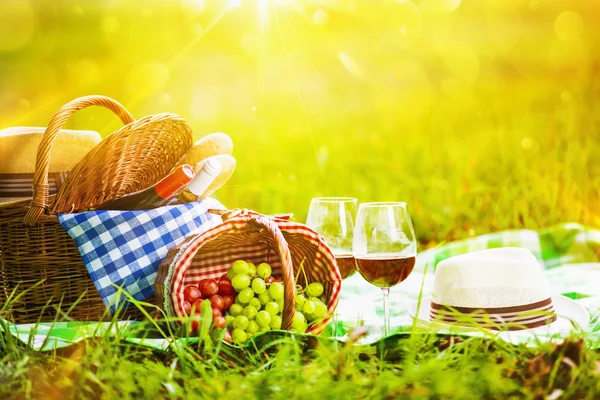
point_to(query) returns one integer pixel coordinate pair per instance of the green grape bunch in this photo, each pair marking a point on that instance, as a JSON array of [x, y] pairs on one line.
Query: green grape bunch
[[259, 304]]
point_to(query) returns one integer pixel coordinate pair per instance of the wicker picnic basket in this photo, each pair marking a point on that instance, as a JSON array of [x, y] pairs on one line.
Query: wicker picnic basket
[[256, 238], [33, 245]]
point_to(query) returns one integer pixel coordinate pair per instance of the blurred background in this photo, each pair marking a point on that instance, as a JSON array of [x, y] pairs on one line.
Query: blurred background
[[481, 114]]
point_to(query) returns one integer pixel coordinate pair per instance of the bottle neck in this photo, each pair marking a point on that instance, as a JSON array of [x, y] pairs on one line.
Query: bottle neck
[[174, 182], [205, 176]]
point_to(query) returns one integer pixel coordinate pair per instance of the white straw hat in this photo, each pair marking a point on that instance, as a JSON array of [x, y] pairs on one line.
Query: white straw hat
[[498, 289]]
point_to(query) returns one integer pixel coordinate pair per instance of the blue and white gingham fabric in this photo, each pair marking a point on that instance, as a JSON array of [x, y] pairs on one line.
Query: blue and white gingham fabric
[[125, 248]]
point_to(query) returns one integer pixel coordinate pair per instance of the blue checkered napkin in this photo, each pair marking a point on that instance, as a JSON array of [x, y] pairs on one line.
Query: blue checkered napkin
[[125, 248]]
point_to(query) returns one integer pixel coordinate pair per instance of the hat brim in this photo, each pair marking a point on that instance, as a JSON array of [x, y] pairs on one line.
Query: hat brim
[[571, 317]]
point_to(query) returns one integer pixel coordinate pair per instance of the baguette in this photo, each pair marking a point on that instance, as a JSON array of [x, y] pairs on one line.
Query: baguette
[[208, 146]]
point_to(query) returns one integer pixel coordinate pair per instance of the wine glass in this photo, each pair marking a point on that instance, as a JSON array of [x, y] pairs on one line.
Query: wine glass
[[333, 218], [384, 247]]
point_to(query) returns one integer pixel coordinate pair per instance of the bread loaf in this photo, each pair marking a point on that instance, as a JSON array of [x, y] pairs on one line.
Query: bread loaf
[[208, 146]]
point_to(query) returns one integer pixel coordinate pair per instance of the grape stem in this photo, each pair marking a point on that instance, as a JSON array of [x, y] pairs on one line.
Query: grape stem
[[301, 269]]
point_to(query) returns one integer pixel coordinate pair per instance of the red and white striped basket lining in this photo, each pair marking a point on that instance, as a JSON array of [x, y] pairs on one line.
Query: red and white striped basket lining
[[232, 240]]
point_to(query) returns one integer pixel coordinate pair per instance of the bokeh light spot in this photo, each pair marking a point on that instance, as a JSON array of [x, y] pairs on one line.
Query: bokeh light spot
[[526, 143], [17, 24], [565, 96], [320, 18], [408, 17], [350, 65], [569, 26], [439, 6]]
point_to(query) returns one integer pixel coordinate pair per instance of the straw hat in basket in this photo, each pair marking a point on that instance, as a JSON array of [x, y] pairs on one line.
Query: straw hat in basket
[[498, 289], [18, 147], [255, 238]]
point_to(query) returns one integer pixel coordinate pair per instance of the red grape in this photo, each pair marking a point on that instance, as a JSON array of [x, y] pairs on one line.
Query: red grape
[[224, 277], [227, 337], [195, 325], [220, 322], [228, 300], [217, 302], [269, 279], [196, 306], [225, 287], [191, 294], [208, 287], [187, 307], [216, 313]]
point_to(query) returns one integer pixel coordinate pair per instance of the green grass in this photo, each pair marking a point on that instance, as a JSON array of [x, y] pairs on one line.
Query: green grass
[[418, 367], [275, 365]]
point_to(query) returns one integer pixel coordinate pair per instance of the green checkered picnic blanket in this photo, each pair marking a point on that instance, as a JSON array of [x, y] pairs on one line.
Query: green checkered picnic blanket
[[570, 254]]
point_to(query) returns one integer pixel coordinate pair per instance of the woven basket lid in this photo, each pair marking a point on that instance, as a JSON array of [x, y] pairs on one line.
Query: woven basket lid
[[131, 159]]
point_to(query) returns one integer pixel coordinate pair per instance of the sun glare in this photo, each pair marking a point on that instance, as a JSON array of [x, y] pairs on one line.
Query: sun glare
[[262, 14]]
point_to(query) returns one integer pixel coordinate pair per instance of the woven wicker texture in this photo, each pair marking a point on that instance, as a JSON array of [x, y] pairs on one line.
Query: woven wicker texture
[[255, 238], [33, 245]]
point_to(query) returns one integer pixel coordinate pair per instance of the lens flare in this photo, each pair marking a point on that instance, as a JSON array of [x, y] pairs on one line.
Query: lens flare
[[234, 3], [350, 65]]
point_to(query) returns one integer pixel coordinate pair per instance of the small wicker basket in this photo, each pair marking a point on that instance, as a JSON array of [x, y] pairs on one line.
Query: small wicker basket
[[255, 238], [35, 247]]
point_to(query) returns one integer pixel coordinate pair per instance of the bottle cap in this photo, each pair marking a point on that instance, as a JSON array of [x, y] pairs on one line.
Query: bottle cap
[[175, 181], [206, 175], [212, 167]]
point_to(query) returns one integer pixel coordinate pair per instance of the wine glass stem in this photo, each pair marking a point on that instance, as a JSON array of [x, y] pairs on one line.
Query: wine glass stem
[[386, 311]]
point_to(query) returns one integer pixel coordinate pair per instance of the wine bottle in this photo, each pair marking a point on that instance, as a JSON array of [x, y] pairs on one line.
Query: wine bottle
[[194, 190], [155, 196]]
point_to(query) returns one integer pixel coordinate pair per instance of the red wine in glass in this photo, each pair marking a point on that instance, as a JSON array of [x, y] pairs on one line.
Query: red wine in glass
[[333, 218], [385, 247], [346, 264], [385, 270]]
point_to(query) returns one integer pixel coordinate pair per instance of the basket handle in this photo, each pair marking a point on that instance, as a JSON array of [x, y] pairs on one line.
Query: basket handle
[[237, 212], [39, 202], [289, 296]]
